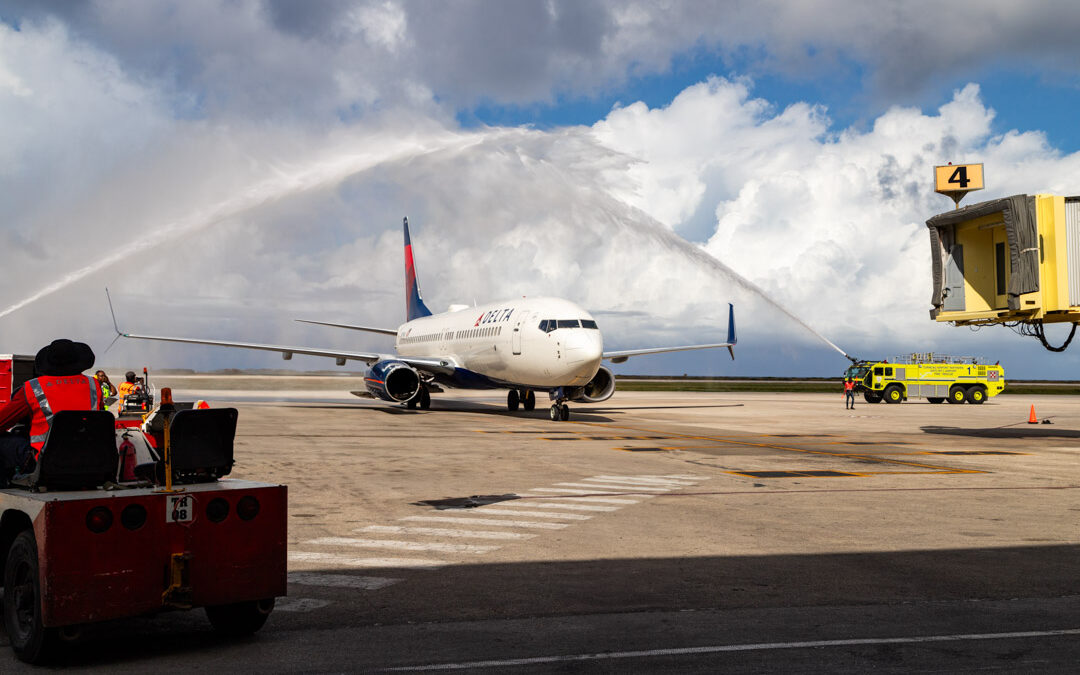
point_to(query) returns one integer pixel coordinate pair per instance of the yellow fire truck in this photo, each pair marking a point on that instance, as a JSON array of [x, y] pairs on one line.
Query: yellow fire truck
[[931, 376]]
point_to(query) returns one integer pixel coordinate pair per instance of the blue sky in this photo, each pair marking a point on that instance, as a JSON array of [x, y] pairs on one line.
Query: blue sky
[[259, 154]]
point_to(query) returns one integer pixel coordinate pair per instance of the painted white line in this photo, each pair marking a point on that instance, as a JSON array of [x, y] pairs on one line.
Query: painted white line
[[340, 580], [444, 532], [351, 561], [487, 521], [521, 504], [682, 476], [401, 545], [761, 646], [643, 479], [590, 500], [299, 604], [568, 491], [609, 486], [534, 514]]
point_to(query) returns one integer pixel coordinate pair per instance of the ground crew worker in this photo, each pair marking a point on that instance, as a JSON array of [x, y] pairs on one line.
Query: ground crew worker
[[849, 394], [107, 388], [59, 385], [126, 388]]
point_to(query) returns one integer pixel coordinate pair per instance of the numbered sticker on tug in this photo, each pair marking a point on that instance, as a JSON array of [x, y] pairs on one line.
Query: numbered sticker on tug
[[179, 509]]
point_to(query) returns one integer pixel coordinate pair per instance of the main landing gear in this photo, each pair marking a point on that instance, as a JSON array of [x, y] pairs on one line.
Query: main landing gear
[[422, 399], [526, 398]]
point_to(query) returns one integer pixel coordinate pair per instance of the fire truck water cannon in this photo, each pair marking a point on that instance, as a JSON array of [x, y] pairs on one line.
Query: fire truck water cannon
[[1013, 262]]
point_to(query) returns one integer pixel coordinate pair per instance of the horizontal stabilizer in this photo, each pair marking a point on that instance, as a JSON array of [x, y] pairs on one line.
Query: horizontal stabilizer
[[369, 329]]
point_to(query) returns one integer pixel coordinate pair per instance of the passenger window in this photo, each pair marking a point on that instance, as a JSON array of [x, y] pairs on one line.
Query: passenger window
[[589, 323], [879, 371]]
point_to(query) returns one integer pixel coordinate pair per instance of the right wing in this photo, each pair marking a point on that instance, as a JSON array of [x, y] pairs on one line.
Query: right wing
[[383, 331], [430, 365], [287, 352]]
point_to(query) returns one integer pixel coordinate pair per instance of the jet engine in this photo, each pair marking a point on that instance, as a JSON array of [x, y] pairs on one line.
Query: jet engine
[[600, 388], [393, 381]]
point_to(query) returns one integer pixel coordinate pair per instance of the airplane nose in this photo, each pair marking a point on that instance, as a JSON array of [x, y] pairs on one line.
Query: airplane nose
[[583, 347]]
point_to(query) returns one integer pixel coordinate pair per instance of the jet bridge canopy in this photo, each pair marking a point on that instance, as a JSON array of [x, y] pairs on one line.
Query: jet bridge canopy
[[1005, 260]]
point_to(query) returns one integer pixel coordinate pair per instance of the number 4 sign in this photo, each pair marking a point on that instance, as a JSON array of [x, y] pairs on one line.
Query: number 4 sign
[[957, 180]]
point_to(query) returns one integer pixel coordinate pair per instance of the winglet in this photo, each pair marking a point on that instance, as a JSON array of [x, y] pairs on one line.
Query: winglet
[[414, 302], [115, 325], [731, 337]]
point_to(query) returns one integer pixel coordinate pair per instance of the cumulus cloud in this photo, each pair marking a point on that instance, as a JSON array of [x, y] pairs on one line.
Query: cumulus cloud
[[256, 169]]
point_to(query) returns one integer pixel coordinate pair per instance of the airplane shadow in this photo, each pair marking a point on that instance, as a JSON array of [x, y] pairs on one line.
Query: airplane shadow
[[1004, 432]]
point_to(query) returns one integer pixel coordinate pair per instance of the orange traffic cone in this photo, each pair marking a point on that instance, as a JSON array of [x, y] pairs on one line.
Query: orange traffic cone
[[1032, 419]]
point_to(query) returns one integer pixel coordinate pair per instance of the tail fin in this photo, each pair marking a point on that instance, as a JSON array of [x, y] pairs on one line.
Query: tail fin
[[731, 337], [414, 302]]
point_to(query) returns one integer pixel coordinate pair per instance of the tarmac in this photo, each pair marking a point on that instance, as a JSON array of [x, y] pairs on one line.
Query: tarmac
[[657, 533]]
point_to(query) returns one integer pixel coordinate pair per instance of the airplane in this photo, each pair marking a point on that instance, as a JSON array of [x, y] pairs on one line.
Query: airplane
[[525, 345]]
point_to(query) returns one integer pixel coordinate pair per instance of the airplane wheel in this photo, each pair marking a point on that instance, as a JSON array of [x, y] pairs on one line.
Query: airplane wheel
[[425, 400], [564, 412], [411, 403], [529, 400], [556, 413], [512, 400]]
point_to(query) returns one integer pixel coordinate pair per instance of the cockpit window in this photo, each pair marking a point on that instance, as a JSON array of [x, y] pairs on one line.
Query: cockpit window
[[589, 323], [569, 323], [548, 325]]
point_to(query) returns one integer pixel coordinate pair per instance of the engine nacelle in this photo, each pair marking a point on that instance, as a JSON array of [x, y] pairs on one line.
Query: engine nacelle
[[393, 381], [600, 388]]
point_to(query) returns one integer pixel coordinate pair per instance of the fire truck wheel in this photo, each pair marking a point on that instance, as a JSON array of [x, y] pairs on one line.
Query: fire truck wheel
[[240, 618], [32, 641], [957, 394], [936, 399], [976, 395], [871, 397], [894, 394]]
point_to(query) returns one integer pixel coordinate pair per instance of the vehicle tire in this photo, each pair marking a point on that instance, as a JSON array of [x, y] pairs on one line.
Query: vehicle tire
[[529, 400], [976, 395], [240, 618], [31, 641], [957, 394], [512, 399], [425, 399], [411, 403], [871, 397], [564, 412], [935, 399], [556, 412], [894, 393]]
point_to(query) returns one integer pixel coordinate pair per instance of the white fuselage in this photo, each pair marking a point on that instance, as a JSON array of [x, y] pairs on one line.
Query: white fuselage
[[539, 343]]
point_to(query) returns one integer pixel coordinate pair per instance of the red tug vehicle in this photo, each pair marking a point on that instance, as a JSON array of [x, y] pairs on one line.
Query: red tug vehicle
[[82, 540]]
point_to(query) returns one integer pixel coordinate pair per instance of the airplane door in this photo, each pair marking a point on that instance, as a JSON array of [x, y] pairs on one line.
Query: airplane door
[[515, 338]]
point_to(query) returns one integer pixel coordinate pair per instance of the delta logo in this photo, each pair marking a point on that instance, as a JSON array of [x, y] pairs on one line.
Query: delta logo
[[493, 316]]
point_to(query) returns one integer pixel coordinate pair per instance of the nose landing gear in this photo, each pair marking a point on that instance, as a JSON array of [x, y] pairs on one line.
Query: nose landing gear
[[560, 412]]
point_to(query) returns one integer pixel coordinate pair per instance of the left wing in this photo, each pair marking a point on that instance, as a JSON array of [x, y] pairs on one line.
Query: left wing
[[382, 331], [621, 356]]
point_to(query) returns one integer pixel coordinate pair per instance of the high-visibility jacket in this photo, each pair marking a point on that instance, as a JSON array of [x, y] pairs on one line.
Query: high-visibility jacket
[[49, 394], [123, 390], [849, 386]]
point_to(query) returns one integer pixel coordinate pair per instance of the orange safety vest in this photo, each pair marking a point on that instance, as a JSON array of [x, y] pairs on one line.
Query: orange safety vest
[[849, 386], [49, 394]]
